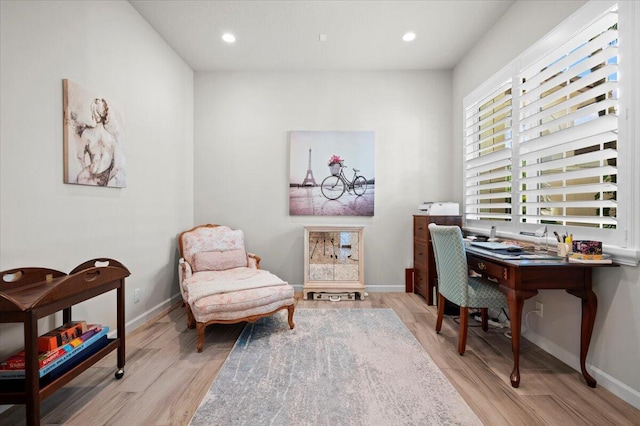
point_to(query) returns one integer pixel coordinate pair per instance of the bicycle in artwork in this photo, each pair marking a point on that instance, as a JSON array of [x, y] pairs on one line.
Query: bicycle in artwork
[[335, 185]]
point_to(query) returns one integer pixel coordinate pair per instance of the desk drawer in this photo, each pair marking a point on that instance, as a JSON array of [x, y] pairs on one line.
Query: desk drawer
[[486, 267]]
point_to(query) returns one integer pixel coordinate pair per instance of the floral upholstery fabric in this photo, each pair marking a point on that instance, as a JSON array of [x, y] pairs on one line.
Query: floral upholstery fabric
[[228, 305], [218, 238], [231, 316], [237, 303], [454, 282], [235, 274], [207, 283], [219, 260]]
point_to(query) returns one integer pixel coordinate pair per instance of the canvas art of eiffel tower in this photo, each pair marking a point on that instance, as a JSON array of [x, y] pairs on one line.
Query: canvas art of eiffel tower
[[309, 180]]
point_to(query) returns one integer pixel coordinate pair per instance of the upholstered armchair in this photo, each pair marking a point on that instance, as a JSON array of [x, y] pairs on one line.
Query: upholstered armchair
[[455, 284], [221, 283]]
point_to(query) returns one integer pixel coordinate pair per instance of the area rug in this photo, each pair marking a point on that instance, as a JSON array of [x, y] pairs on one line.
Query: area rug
[[336, 367]]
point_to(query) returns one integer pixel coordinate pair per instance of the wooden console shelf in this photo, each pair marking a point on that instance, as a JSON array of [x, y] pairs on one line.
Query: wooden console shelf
[[27, 294]]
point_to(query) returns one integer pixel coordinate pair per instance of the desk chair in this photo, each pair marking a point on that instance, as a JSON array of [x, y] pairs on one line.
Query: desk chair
[[455, 284]]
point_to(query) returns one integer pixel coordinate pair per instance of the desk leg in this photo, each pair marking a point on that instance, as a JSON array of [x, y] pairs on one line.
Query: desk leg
[[589, 309], [516, 302]]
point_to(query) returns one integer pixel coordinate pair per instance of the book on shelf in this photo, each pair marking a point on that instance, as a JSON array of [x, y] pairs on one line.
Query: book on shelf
[[581, 258], [17, 361], [93, 329], [93, 335], [61, 336]]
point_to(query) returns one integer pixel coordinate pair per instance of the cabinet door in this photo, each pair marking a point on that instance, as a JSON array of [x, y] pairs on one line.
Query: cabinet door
[[333, 256]]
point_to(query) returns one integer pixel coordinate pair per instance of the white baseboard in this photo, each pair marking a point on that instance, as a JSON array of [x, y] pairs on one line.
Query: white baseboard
[[148, 315], [608, 382], [377, 288], [165, 305]]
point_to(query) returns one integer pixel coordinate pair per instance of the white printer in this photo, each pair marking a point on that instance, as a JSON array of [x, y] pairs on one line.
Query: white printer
[[440, 208]]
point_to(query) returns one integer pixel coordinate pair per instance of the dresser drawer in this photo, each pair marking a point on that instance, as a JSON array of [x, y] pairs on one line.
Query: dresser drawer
[[421, 224], [420, 228], [420, 254], [449, 221], [420, 282]]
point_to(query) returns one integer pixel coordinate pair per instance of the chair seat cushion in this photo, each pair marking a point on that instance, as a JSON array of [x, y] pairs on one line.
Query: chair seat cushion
[[235, 274], [207, 283], [243, 303], [484, 293], [235, 293]]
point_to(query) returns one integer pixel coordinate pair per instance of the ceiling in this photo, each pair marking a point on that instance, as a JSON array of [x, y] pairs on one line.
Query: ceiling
[[284, 35]]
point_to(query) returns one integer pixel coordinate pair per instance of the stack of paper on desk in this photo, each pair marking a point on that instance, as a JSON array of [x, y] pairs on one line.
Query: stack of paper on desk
[[493, 245]]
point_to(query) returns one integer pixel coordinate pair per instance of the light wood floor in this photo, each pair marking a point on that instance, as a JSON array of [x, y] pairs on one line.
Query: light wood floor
[[166, 378]]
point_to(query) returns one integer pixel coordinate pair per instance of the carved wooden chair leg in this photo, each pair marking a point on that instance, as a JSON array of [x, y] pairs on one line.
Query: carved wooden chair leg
[[464, 322], [191, 321], [484, 314], [291, 309], [441, 302], [200, 327]]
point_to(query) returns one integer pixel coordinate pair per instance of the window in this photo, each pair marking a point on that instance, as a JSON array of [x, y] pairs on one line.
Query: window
[[543, 139], [568, 122], [488, 156]]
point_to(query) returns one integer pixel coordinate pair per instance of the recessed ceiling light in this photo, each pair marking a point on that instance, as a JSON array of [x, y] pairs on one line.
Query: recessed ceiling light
[[409, 36], [228, 37]]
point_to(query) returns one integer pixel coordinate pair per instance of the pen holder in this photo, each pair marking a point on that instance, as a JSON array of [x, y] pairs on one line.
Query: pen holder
[[564, 249]]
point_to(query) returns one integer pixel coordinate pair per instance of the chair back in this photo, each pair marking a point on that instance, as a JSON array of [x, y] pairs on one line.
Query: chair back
[[209, 238], [451, 263]]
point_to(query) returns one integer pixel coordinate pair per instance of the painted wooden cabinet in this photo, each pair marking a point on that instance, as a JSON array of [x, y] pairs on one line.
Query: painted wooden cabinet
[[333, 260]]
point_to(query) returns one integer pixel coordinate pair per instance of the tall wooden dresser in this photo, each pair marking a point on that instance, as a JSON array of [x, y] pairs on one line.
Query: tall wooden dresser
[[424, 264]]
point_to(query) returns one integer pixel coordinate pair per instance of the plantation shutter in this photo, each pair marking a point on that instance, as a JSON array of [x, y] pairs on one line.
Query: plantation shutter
[[568, 121], [487, 173]]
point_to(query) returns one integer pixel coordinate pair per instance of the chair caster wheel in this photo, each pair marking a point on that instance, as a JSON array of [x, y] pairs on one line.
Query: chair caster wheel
[[119, 373]]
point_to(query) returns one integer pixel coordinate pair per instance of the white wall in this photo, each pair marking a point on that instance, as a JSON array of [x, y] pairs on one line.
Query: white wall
[[242, 157], [613, 355], [109, 49]]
